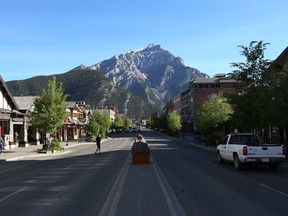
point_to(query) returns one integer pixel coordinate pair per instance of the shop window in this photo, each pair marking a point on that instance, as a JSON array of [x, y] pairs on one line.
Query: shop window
[[5, 127]]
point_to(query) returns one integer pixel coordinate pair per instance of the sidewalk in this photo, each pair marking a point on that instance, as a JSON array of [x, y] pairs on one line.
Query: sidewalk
[[29, 151]]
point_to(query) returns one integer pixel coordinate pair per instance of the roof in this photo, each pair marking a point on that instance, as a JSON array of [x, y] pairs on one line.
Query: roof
[[205, 80], [7, 93], [25, 102], [212, 80], [282, 58], [218, 75], [70, 104]]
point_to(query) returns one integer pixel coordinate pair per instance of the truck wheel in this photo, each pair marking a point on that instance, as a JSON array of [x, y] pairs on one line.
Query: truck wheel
[[237, 163], [219, 158]]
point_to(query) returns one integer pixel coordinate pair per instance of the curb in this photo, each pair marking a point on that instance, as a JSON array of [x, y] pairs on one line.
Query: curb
[[35, 155]]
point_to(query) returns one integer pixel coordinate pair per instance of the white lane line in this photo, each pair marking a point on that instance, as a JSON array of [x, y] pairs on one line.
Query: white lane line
[[4, 198], [176, 209], [214, 164], [111, 203], [68, 167], [274, 190]]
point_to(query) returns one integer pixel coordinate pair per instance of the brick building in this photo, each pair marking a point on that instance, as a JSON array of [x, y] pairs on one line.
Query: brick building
[[173, 105], [186, 111], [202, 89]]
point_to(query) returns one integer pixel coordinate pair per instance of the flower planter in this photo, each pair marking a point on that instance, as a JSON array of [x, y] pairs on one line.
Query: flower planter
[[140, 158]]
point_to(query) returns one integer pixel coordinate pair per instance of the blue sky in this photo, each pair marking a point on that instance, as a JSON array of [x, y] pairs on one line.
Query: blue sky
[[45, 37]]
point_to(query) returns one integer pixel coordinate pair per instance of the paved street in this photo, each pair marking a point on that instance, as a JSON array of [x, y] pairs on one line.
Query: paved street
[[182, 179], [85, 183]]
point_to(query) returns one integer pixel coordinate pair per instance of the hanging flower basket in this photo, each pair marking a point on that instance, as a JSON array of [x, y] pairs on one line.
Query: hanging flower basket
[[140, 153]]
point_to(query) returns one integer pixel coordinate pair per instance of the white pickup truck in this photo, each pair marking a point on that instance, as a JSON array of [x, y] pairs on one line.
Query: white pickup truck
[[246, 148]]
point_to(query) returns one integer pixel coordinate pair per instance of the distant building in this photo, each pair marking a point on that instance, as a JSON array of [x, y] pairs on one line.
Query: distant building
[[173, 105], [111, 111], [74, 123], [186, 111], [23, 126], [203, 88], [189, 103]]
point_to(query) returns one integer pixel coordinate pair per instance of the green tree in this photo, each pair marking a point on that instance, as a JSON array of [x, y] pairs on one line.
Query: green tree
[[49, 109], [275, 101], [250, 74], [214, 113], [127, 122], [152, 120], [117, 124], [173, 122], [106, 124], [98, 124], [248, 101], [94, 124], [161, 122]]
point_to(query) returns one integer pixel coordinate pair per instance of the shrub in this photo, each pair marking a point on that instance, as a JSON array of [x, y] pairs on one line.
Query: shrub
[[212, 139], [55, 145]]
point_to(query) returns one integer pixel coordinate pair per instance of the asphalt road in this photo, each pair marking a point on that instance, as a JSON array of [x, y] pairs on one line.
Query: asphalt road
[[205, 187], [78, 183]]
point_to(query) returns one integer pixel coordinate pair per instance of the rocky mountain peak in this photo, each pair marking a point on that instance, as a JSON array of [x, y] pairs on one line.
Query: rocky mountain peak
[[152, 73]]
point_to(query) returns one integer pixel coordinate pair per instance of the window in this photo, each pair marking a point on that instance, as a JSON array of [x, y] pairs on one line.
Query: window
[[225, 140], [4, 127], [244, 140]]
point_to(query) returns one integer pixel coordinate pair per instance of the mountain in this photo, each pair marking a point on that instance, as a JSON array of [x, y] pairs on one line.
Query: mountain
[[152, 73], [89, 86], [136, 82]]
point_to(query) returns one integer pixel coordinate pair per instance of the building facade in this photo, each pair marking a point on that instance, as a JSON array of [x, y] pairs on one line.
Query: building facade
[[23, 126], [8, 112], [186, 111], [74, 124], [111, 111], [204, 88]]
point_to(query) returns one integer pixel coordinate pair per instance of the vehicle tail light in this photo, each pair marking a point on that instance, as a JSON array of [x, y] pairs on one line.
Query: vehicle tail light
[[284, 150], [245, 150]]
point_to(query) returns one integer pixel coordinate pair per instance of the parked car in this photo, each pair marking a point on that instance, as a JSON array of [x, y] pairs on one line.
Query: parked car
[[134, 128]]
